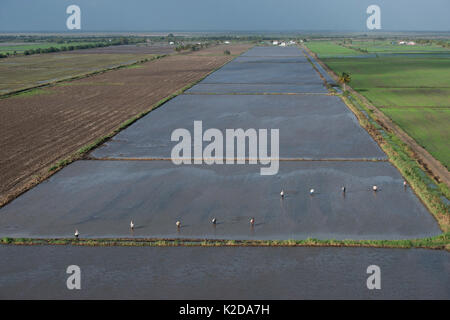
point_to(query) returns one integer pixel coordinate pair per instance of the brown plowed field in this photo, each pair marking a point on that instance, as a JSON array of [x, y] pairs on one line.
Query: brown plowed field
[[38, 130]]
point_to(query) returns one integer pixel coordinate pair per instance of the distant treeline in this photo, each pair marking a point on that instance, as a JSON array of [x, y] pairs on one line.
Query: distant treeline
[[441, 43], [64, 39], [115, 42], [192, 46], [69, 47]]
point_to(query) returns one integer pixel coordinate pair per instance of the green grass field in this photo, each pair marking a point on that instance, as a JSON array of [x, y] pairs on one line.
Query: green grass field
[[413, 90], [26, 71], [386, 46], [400, 81], [408, 97], [328, 49], [430, 127]]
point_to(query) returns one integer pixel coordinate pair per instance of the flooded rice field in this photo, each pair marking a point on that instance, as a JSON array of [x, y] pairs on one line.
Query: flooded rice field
[[100, 198], [273, 52], [251, 88], [264, 70], [128, 181], [310, 126], [39, 272]]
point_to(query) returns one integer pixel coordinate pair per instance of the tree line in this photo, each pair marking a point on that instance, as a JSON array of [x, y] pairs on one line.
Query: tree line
[[71, 47]]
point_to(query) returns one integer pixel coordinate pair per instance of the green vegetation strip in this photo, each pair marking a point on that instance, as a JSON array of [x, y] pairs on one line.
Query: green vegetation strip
[[50, 47], [29, 93], [438, 242], [256, 93]]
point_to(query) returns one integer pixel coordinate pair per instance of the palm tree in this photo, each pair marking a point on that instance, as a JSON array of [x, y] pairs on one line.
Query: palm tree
[[345, 78]]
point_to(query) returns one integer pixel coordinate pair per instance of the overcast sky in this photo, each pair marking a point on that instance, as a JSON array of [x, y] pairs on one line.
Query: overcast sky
[[224, 15]]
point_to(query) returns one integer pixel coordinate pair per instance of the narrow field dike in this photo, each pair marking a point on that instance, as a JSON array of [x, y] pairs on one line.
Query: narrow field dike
[[440, 242]]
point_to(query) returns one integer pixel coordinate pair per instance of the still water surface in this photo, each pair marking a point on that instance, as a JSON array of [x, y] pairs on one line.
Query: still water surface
[[39, 272]]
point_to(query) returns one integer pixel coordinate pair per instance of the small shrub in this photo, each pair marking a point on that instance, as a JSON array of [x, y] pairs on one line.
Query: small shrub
[[6, 240]]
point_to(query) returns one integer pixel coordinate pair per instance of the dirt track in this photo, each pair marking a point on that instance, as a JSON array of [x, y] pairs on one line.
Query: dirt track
[[37, 131]]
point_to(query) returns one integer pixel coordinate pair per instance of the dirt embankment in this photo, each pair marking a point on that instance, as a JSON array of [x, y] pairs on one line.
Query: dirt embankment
[[36, 131]]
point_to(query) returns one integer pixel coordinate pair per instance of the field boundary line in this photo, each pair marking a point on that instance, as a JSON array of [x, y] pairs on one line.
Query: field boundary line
[[256, 93], [262, 83], [238, 159], [440, 242]]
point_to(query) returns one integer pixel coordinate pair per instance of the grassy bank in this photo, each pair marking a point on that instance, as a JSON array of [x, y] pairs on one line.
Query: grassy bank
[[438, 242]]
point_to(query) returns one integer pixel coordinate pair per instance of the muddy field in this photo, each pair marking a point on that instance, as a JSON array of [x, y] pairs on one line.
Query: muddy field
[[38, 130], [39, 272]]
